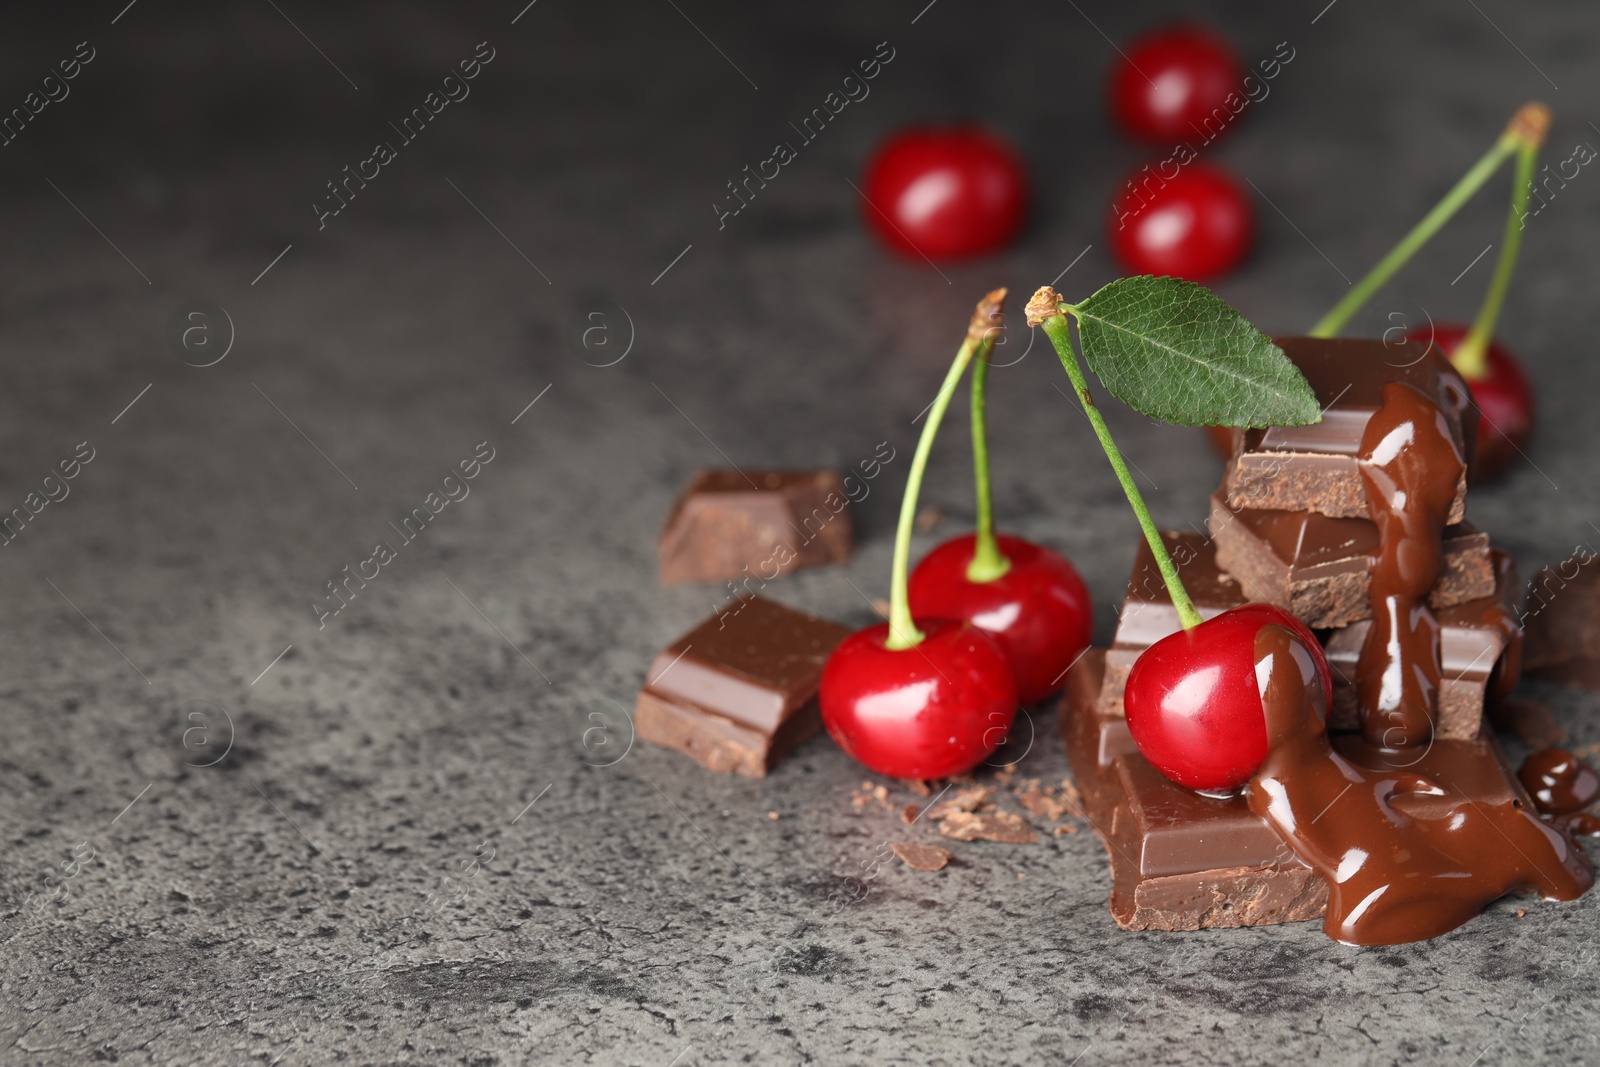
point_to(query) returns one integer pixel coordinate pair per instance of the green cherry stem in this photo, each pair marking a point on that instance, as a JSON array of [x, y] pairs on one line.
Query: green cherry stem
[[1047, 309], [903, 632], [1526, 128], [1471, 356], [988, 562]]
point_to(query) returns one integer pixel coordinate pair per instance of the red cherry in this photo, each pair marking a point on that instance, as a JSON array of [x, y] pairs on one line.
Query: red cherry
[[1503, 394], [1195, 224], [1039, 611], [945, 192], [1173, 84], [1192, 703], [937, 709]]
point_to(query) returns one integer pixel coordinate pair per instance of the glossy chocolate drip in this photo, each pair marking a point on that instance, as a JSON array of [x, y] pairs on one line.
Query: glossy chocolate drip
[[1410, 470], [1405, 856], [1559, 782]]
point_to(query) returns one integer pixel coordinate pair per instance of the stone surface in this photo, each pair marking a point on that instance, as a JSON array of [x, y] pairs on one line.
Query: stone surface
[[361, 876]]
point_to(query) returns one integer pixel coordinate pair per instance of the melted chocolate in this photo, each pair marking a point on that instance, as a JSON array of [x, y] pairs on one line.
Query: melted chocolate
[[1559, 782], [1411, 470], [1406, 857]]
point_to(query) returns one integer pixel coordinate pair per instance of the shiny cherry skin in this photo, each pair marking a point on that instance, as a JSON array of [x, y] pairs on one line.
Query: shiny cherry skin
[[937, 709], [1504, 397], [1195, 224], [1039, 610], [1192, 703], [945, 192], [1169, 83]]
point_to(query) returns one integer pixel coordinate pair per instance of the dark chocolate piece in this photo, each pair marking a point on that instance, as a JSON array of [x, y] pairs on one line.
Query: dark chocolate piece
[[1179, 861], [1479, 658], [1562, 617], [730, 524], [1315, 467], [1182, 861], [1411, 843], [1320, 567], [738, 692]]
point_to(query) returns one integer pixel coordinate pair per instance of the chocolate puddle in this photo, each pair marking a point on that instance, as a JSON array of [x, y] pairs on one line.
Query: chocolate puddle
[[1410, 470], [1404, 855]]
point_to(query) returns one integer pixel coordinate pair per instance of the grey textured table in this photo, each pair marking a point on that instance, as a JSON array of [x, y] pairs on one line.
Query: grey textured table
[[416, 841]]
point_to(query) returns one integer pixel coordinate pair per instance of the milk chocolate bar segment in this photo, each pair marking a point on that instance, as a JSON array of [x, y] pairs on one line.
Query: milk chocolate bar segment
[[736, 524], [1320, 567], [1314, 468], [738, 692]]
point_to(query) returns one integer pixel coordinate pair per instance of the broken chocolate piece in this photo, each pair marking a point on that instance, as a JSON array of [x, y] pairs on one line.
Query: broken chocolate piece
[[1478, 659], [1562, 617], [1179, 860], [1182, 861], [1315, 467], [1320, 568], [738, 692], [730, 524], [921, 857]]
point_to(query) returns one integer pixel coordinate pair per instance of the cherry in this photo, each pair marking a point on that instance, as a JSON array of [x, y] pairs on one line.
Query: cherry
[[935, 709], [945, 192], [1169, 83], [1503, 394], [1039, 610], [1192, 703], [922, 698], [1196, 224]]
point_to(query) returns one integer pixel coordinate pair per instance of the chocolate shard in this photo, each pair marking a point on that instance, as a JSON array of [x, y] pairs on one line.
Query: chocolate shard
[[1182, 861], [1320, 567], [730, 524], [738, 692], [1479, 658], [1562, 617], [1314, 468]]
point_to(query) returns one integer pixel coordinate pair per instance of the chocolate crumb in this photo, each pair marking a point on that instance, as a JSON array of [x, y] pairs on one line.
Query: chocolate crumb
[[909, 813], [1046, 806], [968, 799], [772, 815], [881, 606], [918, 786], [1066, 828], [1521, 912], [921, 857], [1003, 826], [928, 518]]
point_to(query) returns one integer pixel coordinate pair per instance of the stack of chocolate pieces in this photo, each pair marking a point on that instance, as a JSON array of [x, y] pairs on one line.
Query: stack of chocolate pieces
[[1289, 525]]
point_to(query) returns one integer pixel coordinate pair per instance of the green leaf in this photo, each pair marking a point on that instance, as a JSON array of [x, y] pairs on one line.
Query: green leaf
[[1172, 350]]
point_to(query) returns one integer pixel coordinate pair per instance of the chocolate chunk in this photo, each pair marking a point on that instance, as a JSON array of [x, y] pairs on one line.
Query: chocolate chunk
[[1562, 617], [738, 692], [1182, 861], [731, 524], [1179, 861], [966, 799], [921, 857], [1004, 826], [1320, 567], [1478, 658], [1314, 468]]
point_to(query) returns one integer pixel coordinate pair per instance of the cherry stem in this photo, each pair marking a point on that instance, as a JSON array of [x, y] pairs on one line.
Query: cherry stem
[[1527, 128], [903, 632], [1059, 331], [988, 562], [1471, 356]]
